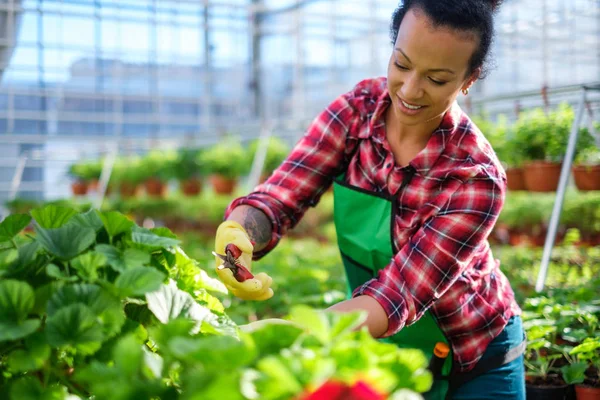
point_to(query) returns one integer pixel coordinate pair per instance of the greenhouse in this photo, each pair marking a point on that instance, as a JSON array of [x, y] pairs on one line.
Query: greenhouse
[[299, 199]]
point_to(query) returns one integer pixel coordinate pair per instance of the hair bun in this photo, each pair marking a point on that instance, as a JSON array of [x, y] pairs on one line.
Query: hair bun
[[495, 4]]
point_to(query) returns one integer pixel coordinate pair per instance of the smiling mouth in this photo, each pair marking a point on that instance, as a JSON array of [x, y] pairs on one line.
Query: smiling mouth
[[410, 106]]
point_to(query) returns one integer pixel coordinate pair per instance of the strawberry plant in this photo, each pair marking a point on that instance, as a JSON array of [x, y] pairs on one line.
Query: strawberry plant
[[94, 306]]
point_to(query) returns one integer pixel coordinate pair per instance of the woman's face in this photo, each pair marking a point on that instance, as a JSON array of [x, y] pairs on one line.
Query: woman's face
[[427, 69]]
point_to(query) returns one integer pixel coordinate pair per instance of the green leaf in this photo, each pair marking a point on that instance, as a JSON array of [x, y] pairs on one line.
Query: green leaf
[[12, 225], [89, 219], [8, 257], [313, 321], [138, 281], [103, 305], [128, 355], [77, 326], [88, 263], [18, 330], [164, 232], [121, 261], [52, 216], [169, 303], [67, 241], [271, 338], [27, 254], [187, 266], [115, 223], [33, 358], [30, 388], [16, 300], [146, 239], [53, 271], [225, 351], [343, 323], [280, 382], [574, 373]]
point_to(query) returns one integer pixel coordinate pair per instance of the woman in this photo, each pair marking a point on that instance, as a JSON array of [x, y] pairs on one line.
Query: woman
[[417, 191]]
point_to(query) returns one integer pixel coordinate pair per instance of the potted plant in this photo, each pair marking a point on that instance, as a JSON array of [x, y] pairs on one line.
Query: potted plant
[[543, 140], [543, 378], [156, 169], [587, 384], [126, 176], [189, 172], [79, 186], [277, 151], [586, 166], [508, 153], [226, 162], [93, 170]]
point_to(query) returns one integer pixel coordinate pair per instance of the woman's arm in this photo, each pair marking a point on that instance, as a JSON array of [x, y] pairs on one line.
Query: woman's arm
[[377, 319], [256, 223]]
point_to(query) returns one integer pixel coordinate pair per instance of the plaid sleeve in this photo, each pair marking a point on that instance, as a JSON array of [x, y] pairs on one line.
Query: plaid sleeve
[[306, 173], [437, 254]]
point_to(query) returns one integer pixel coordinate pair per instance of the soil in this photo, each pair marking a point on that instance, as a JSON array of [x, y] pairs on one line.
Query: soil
[[550, 382]]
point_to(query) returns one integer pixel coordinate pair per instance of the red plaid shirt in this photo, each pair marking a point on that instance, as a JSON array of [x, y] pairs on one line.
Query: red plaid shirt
[[444, 262]]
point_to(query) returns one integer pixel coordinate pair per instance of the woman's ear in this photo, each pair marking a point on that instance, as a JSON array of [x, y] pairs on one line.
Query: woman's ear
[[471, 80]]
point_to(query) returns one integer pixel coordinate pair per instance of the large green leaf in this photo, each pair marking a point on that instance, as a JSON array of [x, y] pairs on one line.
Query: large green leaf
[[271, 338], [16, 300], [27, 254], [121, 261], [12, 225], [138, 281], [67, 241], [18, 330], [88, 263], [77, 326], [8, 257], [146, 239], [115, 223], [53, 271], [89, 219], [226, 351], [33, 357], [188, 266], [314, 321], [169, 303], [52, 216], [103, 305], [30, 388]]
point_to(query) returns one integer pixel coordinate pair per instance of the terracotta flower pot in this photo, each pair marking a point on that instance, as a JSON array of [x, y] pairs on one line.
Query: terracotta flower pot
[[222, 185], [79, 188], [127, 190], [515, 179], [155, 187], [587, 392], [541, 176], [587, 177], [93, 185], [191, 187]]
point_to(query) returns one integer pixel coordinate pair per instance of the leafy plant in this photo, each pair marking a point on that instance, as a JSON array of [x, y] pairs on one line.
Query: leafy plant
[[277, 151], [158, 164], [93, 306], [227, 158], [127, 170], [187, 164]]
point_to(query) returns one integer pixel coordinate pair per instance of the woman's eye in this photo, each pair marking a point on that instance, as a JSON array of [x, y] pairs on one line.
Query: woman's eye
[[439, 83], [402, 67]]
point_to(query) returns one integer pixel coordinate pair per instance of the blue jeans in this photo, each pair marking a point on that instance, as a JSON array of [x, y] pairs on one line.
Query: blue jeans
[[506, 382]]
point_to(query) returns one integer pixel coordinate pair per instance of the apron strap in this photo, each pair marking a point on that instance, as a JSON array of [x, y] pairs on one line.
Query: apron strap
[[486, 365]]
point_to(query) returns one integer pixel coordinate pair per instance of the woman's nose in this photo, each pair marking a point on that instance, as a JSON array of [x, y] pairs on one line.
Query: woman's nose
[[411, 87]]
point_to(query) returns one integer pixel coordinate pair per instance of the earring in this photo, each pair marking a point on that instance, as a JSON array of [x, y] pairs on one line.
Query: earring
[[465, 91]]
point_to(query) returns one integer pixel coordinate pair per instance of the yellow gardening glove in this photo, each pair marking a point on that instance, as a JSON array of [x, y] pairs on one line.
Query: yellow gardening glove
[[256, 288]]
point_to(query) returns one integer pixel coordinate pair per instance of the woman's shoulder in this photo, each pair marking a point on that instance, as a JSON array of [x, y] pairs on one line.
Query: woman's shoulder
[[371, 88], [471, 146]]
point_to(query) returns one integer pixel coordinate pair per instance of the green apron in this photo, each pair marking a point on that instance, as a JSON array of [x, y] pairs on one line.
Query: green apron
[[363, 222]]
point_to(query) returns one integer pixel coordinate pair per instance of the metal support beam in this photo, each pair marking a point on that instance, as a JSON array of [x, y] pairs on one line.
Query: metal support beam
[[560, 194]]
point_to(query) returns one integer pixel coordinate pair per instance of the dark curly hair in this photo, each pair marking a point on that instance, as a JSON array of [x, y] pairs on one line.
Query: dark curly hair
[[463, 15]]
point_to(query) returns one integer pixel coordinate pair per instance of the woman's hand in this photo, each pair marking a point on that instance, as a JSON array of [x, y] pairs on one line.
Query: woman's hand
[[232, 242]]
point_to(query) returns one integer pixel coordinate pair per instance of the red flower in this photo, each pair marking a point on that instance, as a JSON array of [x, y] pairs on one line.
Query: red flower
[[334, 390]]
